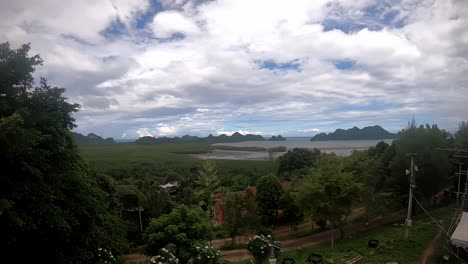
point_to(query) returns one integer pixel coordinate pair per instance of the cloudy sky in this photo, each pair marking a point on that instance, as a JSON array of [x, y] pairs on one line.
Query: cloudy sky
[[175, 67]]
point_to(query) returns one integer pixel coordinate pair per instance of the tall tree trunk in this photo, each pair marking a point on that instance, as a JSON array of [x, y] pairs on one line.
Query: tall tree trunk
[[333, 233]]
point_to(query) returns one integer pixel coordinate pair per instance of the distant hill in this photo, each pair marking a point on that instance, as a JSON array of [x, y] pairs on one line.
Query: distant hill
[[236, 137], [370, 132], [92, 139], [277, 138]]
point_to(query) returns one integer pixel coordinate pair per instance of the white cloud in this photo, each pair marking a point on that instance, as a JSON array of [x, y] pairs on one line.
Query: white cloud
[[165, 130], [212, 76], [169, 22], [144, 132], [245, 132], [81, 18], [311, 130]]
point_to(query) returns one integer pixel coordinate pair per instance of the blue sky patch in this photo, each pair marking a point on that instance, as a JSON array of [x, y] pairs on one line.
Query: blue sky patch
[[272, 65], [146, 17], [344, 64], [115, 29]]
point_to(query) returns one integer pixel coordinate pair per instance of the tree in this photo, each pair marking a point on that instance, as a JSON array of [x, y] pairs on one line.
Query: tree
[[460, 144], [329, 192], [232, 214], [269, 191], [208, 185], [433, 164], [296, 159], [52, 206], [291, 215], [461, 140], [183, 229], [251, 218], [368, 169]]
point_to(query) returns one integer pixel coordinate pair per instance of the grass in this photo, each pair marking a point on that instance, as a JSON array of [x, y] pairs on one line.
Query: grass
[[152, 159], [300, 234], [392, 247]]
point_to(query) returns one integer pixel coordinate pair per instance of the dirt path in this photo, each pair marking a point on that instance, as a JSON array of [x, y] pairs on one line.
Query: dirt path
[[431, 249], [137, 258], [319, 238], [282, 231], [292, 244]]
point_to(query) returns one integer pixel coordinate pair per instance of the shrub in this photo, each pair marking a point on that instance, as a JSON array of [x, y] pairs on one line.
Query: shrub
[[165, 257], [260, 247], [105, 256], [206, 255]]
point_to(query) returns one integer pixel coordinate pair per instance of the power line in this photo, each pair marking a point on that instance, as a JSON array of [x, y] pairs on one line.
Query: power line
[[432, 218]]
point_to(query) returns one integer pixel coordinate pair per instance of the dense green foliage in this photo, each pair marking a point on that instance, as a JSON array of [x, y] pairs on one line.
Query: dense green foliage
[[433, 163], [232, 214], [168, 162], [370, 132], [182, 231], [54, 207], [329, 193], [259, 247], [293, 163], [269, 191]]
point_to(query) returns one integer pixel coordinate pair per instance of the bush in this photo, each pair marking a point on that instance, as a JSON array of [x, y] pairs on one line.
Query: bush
[[165, 257], [220, 232], [260, 247], [206, 255], [105, 256]]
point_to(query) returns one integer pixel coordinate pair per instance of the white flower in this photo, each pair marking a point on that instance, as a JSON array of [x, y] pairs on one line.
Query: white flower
[[99, 249]]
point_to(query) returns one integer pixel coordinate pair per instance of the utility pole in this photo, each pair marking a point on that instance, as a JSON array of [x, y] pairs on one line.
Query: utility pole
[[466, 192], [410, 198], [459, 176]]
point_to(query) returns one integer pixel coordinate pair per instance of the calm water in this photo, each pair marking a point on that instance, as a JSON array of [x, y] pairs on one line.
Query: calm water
[[339, 147]]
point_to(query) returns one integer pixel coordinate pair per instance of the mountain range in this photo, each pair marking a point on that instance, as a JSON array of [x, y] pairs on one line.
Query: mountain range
[[236, 137], [370, 132], [92, 139]]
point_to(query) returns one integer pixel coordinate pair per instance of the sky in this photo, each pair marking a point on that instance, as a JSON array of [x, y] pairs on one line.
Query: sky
[[295, 68]]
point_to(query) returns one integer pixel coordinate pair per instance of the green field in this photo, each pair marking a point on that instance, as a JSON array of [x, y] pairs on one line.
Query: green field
[[169, 161]]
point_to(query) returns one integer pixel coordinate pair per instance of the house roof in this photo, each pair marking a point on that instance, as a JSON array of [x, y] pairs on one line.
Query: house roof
[[170, 185], [460, 235]]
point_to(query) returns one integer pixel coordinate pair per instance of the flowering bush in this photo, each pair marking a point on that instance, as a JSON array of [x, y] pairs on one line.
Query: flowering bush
[[165, 257], [105, 256], [260, 247], [206, 255]]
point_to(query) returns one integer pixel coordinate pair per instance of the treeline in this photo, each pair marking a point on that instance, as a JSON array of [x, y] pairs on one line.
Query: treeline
[[93, 139], [236, 137]]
